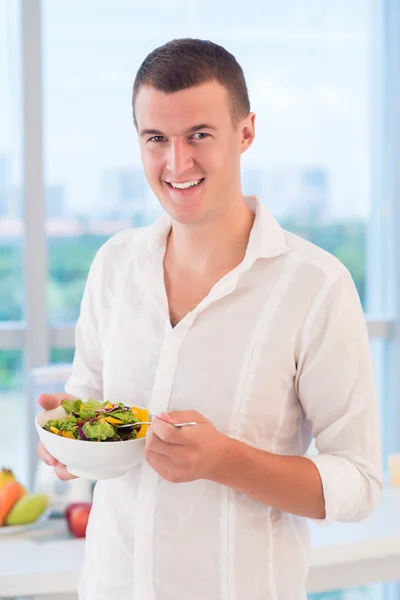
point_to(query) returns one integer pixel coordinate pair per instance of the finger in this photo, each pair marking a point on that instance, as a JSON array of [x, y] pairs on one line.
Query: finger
[[162, 471], [62, 472], [156, 444], [169, 474], [165, 417], [168, 433], [45, 456], [49, 401], [182, 416], [156, 458]]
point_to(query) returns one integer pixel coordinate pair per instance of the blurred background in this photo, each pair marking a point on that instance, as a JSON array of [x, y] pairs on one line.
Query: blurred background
[[324, 80]]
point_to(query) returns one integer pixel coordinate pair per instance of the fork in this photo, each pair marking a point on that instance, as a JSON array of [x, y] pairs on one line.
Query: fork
[[178, 425]]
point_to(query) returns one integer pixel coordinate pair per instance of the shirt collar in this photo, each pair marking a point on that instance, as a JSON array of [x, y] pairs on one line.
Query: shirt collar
[[266, 240]]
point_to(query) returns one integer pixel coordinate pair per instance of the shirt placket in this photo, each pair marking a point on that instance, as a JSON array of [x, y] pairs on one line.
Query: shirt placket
[[160, 401]]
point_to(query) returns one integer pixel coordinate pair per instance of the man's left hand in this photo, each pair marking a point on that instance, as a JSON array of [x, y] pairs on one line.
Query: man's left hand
[[188, 453]]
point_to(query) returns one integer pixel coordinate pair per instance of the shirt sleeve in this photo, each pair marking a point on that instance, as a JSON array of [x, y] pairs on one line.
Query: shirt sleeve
[[336, 389], [86, 378]]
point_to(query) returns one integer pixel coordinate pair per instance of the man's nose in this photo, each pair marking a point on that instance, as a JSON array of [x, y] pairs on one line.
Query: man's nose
[[179, 159]]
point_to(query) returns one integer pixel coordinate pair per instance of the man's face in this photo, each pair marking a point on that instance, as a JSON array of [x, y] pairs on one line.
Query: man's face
[[191, 149]]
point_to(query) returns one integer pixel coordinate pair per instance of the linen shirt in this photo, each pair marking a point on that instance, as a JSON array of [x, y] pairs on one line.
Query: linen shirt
[[275, 355]]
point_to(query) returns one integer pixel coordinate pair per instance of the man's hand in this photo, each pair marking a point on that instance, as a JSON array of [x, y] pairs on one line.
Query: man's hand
[[188, 453], [47, 402], [289, 483]]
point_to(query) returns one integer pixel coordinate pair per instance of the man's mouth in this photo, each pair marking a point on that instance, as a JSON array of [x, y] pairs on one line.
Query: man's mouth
[[184, 185]]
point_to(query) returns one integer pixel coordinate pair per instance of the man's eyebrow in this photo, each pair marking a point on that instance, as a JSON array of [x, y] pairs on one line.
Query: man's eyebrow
[[150, 132], [200, 127], [193, 129]]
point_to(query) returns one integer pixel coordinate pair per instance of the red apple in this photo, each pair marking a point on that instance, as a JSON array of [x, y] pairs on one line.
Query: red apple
[[77, 515]]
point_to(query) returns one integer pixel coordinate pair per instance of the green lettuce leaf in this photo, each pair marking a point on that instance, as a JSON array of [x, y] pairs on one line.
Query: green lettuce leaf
[[69, 406], [94, 404], [98, 431]]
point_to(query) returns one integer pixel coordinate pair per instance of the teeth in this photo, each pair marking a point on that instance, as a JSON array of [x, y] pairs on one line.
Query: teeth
[[184, 186]]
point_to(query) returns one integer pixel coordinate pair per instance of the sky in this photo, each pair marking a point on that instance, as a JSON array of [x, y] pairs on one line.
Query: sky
[[307, 64]]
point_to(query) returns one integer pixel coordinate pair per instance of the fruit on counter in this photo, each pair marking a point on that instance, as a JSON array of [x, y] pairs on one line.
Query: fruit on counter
[[9, 496], [28, 509], [77, 515], [17, 506], [6, 475]]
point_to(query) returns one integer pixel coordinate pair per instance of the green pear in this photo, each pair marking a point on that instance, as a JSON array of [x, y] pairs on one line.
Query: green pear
[[27, 510]]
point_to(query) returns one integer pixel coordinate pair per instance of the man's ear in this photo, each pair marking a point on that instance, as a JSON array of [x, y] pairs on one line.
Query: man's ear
[[248, 131]]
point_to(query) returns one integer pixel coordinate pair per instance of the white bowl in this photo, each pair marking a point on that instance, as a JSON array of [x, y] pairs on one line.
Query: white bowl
[[89, 460]]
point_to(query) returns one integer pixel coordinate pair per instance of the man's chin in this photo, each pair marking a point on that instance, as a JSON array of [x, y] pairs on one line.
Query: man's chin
[[185, 211]]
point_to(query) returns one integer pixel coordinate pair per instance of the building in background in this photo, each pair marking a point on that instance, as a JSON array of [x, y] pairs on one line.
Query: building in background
[[291, 191], [124, 192], [56, 201]]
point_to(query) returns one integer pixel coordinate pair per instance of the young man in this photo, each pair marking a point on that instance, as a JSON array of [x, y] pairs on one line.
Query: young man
[[214, 314]]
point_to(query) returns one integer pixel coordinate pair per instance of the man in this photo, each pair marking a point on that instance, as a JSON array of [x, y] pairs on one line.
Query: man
[[214, 314]]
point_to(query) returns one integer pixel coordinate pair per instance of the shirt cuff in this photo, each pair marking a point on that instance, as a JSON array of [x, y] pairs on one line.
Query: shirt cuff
[[341, 488]]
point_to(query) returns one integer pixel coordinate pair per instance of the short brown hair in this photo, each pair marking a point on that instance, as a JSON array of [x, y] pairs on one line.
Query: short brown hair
[[185, 63]]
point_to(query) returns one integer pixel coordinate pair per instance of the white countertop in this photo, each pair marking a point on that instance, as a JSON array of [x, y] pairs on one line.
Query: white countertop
[[49, 560]]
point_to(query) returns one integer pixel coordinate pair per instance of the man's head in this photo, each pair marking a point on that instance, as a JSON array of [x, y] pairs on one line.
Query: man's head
[[192, 113], [186, 63]]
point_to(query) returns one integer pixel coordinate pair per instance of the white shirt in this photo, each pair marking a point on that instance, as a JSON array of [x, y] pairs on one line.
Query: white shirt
[[276, 354]]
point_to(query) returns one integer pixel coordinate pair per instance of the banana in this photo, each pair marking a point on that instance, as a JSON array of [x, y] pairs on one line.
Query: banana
[[6, 475]]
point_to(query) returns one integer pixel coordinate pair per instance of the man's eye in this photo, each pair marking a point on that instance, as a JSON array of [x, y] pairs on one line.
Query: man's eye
[[200, 135], [157, 139]]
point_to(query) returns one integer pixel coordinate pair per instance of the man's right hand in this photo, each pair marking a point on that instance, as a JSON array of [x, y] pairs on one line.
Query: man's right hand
[[47, 402]]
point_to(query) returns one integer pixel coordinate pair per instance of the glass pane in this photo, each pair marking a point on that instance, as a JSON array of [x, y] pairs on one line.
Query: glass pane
[[11, 230], [69, 261], [61, 355], [12, 394]]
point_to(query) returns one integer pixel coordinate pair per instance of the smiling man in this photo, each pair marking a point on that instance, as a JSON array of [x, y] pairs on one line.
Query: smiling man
[[214, 314]]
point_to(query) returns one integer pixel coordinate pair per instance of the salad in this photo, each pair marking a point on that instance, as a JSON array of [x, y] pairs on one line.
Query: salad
[[95, 421]]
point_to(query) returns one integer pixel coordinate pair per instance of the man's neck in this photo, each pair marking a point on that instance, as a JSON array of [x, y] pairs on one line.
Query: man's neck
[[210, 246]]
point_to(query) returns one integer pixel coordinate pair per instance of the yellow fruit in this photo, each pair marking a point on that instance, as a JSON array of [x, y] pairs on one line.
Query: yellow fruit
[[142, 431], [6, 475], [143, 415], [27, 510], [113, 421]]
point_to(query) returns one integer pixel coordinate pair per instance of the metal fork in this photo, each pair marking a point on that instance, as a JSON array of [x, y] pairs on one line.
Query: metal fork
[[132, 425]]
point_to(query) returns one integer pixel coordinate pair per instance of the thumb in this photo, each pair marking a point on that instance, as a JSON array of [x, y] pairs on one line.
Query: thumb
[[49, 401]]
